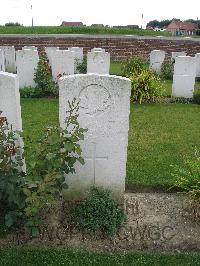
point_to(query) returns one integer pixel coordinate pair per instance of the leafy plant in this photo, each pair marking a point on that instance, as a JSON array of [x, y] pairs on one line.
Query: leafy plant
[[134, 66], [43, 78], [167, 71], [146, 86], [82, 67], [188, 177], [196, 96], [11, 172], [98, 214], [54, 157]]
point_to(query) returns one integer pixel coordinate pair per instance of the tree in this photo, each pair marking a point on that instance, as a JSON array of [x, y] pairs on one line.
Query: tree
[[15, 24]]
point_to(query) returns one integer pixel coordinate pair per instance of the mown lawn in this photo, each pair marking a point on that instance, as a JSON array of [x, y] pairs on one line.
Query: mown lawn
[[78, 30], [58, 257], [159, 135]]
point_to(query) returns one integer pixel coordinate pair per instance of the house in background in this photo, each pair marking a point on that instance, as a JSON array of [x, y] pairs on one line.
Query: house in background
[[71, 24], [179, 28]]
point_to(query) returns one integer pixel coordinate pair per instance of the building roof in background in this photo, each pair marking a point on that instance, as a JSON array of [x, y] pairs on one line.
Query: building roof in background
[[71, 24], [180, 25]]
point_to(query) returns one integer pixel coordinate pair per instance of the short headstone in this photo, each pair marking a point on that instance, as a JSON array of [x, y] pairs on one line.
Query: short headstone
[[49, 52], [176, 54], [10, 99], [104, 110], [29, 48], [197, 56], [157, 58], [27, 61], [9, 54], [2, 61], [62, 63], [184, 77], [78, 57], [98, 62]]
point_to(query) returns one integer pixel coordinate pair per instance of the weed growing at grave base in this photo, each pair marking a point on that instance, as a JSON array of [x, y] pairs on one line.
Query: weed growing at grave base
[[99, 214], [146, 86], [43, 78], [187, 177], [196, 97], [53, 156], [82, 67]]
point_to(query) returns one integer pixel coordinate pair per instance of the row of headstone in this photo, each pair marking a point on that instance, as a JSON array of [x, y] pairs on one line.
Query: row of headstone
[[104, 105], [186, 69]]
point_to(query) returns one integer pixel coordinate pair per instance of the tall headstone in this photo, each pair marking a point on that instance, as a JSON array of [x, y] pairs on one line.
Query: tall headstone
[[176, 54], [49, 52], [9, 54], [78, 57], [197, 56], [10, 99], [98, 62], [2, 61], [184, 77], [104, 110], [157, 58], [27, 61], [62, 63]]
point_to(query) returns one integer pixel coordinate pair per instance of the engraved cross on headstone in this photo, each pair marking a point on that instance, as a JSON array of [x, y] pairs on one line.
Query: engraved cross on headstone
[[94, 158]]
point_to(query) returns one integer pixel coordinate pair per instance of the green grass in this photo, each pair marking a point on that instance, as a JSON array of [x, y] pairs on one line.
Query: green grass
[[159, 135], [116, 68], [58, 257], [78, 30]]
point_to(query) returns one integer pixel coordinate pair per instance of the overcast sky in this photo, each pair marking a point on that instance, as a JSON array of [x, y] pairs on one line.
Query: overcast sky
[[107, 12]]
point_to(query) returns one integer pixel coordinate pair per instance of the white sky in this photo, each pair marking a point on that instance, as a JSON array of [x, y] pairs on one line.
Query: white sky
[[107, 12]]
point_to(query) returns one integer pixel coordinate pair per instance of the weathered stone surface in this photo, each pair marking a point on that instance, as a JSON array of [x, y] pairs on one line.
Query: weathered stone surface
[[9, 54], [184, 77], [157, 58], [78, 57], [98, 50], [197, 56], [104, 110], [176, 54], [98, 62], [49, 52], [62, 63], [2, 61], [10, 99], [27, 61]]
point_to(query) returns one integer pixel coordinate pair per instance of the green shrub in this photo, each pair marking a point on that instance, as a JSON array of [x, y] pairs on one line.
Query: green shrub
[[188, 177], [134, 66], [55, 155], [30, 92], [45, 85], [167, 71], [146, 86], [82, 67], [196, 97], [99, 214]]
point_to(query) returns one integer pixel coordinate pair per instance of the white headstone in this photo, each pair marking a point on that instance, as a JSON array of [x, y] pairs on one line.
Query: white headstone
[[9, 54], [176, 54], [29, 48], [49, 52], [157, 58], [104, 110], [98, 50], [10, 99], [98, 62], [27, 61], [197, 56], [62, 63], [2, 61], [184, 77], [78, 57]]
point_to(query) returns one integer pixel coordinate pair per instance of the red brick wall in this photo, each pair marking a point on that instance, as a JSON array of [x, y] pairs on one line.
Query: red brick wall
[[119, 47]]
